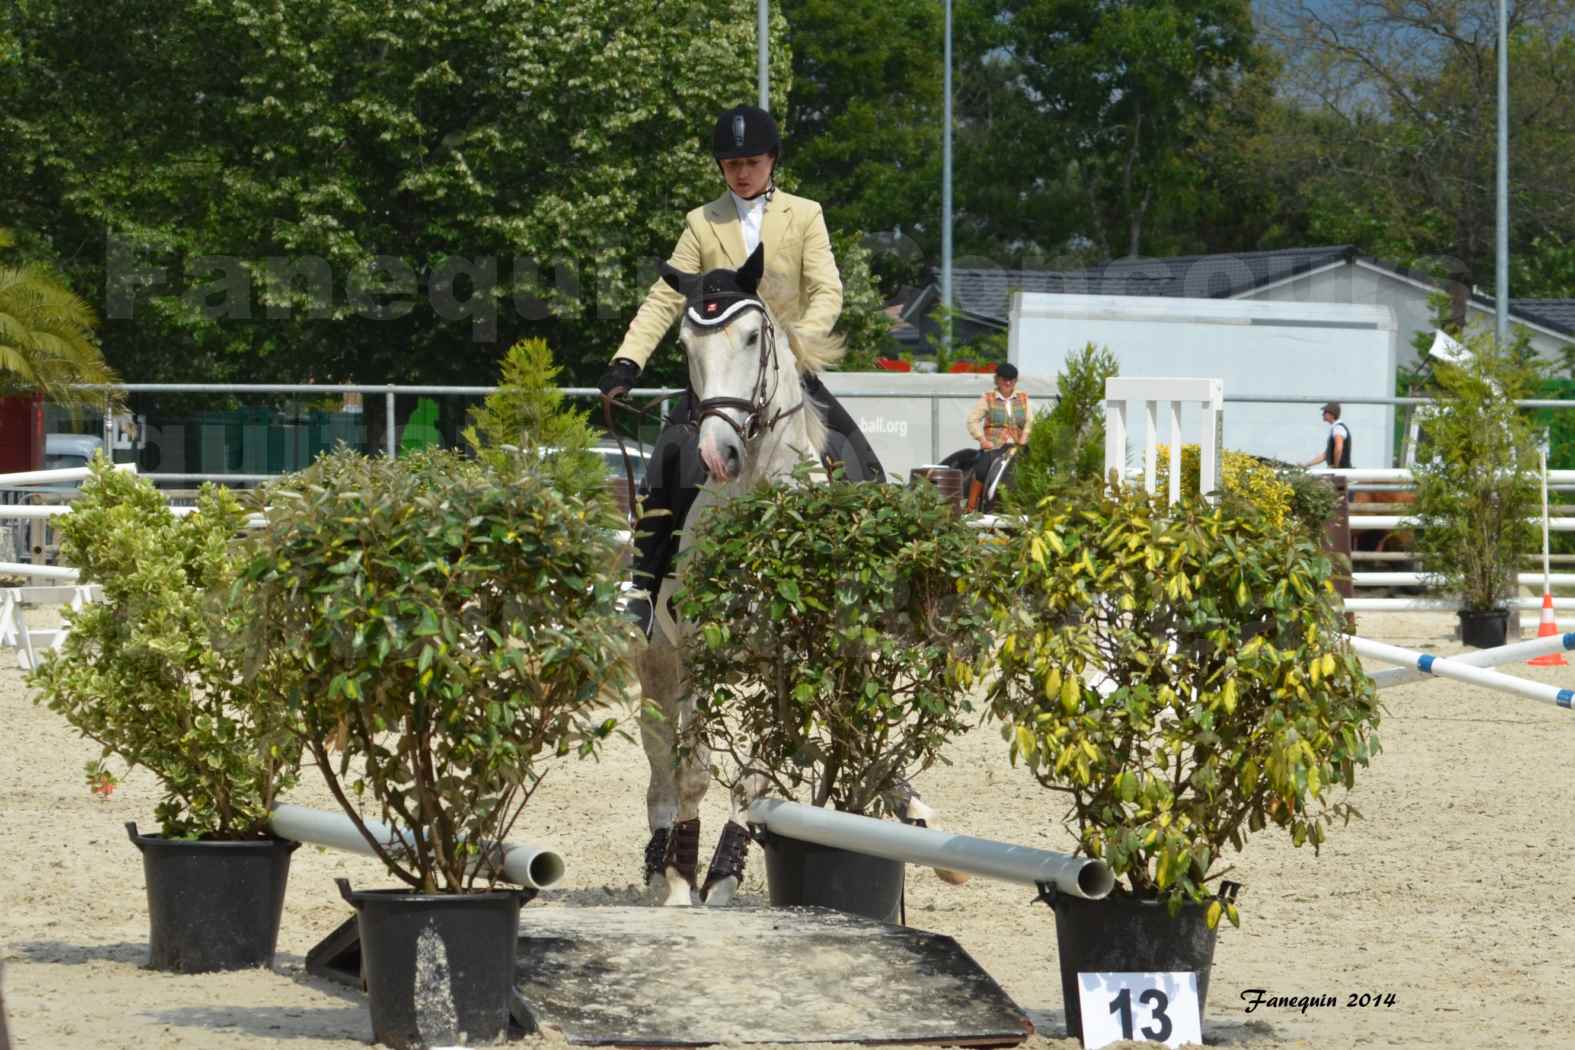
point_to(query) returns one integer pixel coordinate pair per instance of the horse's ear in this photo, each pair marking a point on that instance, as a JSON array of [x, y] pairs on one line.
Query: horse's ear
[[676, 279], [754, 267]]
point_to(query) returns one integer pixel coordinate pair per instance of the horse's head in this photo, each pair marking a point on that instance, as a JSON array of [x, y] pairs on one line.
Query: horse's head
[[740, 366]]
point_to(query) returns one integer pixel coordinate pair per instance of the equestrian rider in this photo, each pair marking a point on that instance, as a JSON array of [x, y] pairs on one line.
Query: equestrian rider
[[1000, 420], [801, 286]]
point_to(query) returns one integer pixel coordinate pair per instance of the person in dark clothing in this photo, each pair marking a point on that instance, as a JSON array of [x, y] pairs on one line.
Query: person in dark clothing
[[1337, 446]]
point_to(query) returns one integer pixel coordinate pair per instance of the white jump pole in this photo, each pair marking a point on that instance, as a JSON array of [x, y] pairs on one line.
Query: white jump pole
[[26, 568], [524, 863], [1503, 654], [1462, 672], [57, 476], [1083, 877]]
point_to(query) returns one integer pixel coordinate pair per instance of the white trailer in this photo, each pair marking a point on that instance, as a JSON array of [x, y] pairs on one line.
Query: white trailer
[[1272, 349]]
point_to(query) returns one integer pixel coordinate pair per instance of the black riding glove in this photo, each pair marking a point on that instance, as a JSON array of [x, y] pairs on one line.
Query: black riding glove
[[620, 377]]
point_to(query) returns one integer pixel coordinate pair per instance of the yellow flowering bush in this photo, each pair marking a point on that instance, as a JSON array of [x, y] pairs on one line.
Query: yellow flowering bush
[[1240, 475]]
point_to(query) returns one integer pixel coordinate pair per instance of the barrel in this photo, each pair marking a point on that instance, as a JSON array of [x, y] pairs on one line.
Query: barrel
[[949, 481]]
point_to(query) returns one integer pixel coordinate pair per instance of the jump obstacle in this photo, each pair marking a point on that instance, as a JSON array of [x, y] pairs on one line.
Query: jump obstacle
[[913, 986]]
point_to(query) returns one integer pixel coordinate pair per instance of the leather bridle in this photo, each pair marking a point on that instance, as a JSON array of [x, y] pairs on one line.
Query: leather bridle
[[768, 379]]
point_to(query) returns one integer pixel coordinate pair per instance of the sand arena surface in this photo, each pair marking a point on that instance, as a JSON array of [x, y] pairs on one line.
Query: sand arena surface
[[1453, 893]]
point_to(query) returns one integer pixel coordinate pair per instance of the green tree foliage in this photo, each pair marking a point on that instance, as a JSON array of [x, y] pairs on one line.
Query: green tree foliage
[[863, 324], [1127, 84], [404, 149], [528, 412], [1180, 676], [1398, 99], [828, 618], [1067, 443], [157, 671], [864, 109], [46, 334]]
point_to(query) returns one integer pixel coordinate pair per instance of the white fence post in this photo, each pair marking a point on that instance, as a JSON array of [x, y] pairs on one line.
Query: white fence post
[[1209, 394]]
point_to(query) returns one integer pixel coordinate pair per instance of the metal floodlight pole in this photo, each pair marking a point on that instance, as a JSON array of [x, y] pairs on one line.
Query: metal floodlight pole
[[1501, 288], [763, 50], [946, 192]]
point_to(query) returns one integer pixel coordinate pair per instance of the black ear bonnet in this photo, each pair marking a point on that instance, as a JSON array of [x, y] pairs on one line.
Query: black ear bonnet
[[717, 296]]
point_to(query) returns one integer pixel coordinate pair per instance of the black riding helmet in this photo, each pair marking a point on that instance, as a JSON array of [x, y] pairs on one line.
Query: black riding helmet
[[745, 131]]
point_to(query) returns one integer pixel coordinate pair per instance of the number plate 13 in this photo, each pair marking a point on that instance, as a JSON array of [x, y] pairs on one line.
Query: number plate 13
[[1147, 1007]]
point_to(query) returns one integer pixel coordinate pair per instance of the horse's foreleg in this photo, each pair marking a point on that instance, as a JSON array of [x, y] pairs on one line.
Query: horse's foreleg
[[671, 800]]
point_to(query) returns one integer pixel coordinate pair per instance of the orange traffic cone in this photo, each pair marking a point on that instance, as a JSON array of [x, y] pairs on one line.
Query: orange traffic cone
[[1546, 627]]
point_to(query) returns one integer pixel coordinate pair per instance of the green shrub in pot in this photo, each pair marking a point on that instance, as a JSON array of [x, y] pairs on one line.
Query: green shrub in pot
[[1179, 676], [828, 619], [451, 625], [1477, 494], [154, 674]]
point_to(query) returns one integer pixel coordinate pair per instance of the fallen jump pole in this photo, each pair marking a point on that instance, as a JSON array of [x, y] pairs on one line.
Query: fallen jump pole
[[1077, 876], [524, 863], [1503, 654], [1462, 672]]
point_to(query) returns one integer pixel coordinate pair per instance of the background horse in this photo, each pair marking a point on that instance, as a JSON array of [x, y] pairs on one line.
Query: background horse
[[756, 423]]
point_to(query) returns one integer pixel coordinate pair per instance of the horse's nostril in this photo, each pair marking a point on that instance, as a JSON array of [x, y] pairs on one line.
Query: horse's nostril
[[733, 460]]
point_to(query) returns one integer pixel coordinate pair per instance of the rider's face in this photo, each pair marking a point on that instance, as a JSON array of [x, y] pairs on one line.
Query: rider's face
[[747, 176]]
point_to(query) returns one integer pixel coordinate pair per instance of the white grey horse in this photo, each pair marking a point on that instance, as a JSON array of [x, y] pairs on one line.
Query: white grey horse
[[756, 423]]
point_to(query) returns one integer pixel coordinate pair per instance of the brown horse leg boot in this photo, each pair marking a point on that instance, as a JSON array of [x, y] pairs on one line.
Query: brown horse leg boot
[[975, 492], [681, 860], [727, 863], [656, 853]]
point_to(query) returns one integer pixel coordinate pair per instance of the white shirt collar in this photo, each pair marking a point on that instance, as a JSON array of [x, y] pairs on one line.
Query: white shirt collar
[[750, 215], [747, 207]]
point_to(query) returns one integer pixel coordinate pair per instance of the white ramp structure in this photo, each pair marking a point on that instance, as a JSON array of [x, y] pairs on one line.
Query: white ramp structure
[[1172, 394]]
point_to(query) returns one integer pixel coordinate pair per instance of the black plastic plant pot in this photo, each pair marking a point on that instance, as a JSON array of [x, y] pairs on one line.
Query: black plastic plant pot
[[213, 905], [1125, 934], [1484, 628], [438, 967], [807, 873]]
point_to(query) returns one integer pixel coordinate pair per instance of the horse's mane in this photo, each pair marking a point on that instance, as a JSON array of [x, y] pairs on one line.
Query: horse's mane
[[814, 352], [817, 351]]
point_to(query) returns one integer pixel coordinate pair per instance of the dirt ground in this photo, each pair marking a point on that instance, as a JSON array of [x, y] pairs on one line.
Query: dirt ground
[[1451, 894]]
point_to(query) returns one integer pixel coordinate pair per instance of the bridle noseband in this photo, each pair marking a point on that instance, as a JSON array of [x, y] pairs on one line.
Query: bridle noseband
[[767, 380]]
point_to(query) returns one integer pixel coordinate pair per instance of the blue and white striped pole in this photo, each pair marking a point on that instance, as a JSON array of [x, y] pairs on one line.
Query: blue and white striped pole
[[1460, 671], [1504, 654]]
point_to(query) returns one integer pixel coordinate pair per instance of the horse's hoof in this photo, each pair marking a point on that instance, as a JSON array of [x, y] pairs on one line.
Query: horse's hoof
[[679, 889], [719, 894]]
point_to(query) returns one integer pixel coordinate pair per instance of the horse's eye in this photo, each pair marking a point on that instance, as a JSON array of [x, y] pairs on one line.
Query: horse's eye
[[754, 337]]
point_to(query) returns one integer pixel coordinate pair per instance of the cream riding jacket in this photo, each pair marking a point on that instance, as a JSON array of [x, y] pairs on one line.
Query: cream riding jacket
[[801, 283]]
